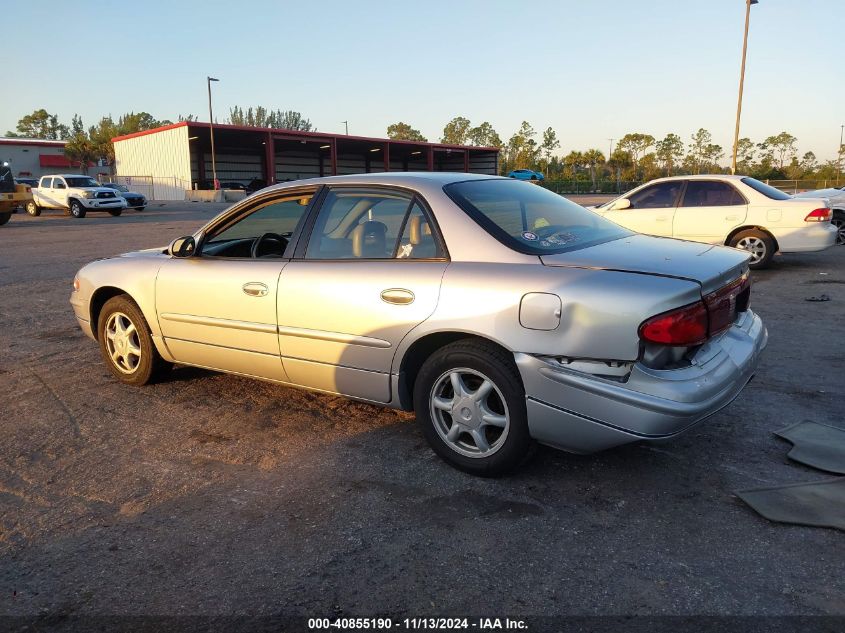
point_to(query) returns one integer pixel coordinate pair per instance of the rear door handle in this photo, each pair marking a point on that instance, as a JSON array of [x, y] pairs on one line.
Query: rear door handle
[[398, 296], [255, 289]]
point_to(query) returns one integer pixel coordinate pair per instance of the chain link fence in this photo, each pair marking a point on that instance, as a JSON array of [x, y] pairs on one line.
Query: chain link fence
[[154, 187], [797, 186], [587, 186]]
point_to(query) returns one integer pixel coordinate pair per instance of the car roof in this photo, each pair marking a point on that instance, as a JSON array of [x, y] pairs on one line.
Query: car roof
[[412, 179], [67, 176], [701, 177]]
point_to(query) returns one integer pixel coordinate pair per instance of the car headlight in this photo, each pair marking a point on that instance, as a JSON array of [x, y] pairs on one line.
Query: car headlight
[[88, 194]]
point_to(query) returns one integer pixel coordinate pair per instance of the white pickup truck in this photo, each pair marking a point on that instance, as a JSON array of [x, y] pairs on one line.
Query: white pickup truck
[[75, 194]]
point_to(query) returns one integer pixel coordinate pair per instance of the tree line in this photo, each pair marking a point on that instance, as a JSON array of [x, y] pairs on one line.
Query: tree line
[[637, 156]]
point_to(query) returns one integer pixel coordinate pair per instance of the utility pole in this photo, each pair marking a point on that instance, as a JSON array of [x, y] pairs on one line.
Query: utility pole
[[748, 4], [610, 151], [211, 132], [839, 155], [346, 123]]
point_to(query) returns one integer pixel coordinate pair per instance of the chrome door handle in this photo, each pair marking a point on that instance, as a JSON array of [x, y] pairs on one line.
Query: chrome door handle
[[255, 289], [398, 296]]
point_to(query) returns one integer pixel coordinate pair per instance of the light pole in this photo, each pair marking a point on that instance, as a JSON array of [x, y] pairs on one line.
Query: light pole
[[748, 4], [211, 132], [346, 123], [610, 151], [839, 155]]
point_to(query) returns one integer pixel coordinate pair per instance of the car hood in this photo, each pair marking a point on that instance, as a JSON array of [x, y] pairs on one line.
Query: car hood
[[147, 252], [709, 265]]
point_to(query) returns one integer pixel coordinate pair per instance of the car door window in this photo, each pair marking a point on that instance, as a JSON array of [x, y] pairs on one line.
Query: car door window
[[359, 224], [278, 217], [46, 183], [703, 193], [58, 183], [658, 196]]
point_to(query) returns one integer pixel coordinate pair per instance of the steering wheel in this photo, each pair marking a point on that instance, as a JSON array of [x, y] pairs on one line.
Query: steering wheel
[[281, 243]]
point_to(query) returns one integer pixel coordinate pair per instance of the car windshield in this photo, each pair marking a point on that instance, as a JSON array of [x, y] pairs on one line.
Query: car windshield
[[766, 190], [81, 182], [529, 218]]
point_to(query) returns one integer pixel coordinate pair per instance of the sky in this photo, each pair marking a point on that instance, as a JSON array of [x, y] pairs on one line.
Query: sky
[[592, 70]]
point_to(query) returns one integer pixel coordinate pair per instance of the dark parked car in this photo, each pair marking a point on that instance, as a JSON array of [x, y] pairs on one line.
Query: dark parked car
[[232, 185], [30, 182], [254, 185], [134, 200]]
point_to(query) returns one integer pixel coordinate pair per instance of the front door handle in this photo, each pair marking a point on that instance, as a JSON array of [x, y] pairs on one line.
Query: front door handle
[[398, 296], [255, 289], [662, 218]]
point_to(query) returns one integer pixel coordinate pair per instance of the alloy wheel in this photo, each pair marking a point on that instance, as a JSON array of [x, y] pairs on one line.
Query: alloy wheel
[[469, 412], [839, 223], [755, 246], [123, 343]]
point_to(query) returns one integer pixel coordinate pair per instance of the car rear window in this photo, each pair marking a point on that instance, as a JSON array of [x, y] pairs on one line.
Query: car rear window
[[766, 190], [530, 219]]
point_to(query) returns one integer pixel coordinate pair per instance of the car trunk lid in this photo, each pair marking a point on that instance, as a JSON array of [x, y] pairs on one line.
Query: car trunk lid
[[710, 266]]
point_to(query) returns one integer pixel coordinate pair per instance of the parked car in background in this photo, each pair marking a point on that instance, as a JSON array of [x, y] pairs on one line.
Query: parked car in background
[[134, 200], [12, 194], [254, 185], [836, 200], [736, 211], [75, 194], [500, 312], [526, 174], [232, 185], [25, 180]]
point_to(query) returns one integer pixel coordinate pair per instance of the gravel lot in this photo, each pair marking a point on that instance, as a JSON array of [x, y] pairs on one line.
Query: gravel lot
[[213, 494]]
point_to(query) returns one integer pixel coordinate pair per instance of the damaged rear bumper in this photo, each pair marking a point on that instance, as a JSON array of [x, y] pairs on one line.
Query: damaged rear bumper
[[583, 413]]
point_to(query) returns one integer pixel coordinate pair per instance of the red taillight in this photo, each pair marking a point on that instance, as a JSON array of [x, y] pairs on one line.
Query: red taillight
[[682, 327], [695, 323], [819, 215]]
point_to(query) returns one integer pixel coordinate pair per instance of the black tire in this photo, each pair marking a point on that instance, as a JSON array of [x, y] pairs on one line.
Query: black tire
[[5, 217], [76, 209], [839, 222], [33, 209], [763, 244], [495, 365], [150, 365], [115, 212]]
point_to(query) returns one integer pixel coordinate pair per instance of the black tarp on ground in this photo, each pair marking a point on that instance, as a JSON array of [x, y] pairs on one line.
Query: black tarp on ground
[[818, 504], [818, 445]]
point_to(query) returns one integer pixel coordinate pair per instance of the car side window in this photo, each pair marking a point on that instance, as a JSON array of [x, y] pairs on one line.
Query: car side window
[[703, 193], [418, 239], [58, 183], [46, 183], [661, 195], [359, 224], [279, 217]]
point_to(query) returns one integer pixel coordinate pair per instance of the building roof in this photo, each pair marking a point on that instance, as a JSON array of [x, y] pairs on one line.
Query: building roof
[[13, 140], [299, 133]]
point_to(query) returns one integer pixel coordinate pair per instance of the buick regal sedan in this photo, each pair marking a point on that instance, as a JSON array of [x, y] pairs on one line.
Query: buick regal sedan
[[736, 211], [499, 312]]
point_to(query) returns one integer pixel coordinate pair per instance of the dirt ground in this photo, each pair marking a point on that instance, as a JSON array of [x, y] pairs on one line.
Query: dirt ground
[[213, 494]]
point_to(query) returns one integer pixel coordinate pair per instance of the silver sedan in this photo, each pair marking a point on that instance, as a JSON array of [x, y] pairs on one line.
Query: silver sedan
[[499, 312]]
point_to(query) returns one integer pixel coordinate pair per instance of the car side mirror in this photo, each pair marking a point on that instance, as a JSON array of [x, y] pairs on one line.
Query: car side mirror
[[183, 246], [621, 204]]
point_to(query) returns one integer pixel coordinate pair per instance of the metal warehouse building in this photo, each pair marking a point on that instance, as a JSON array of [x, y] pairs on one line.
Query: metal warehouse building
[[166, 162]]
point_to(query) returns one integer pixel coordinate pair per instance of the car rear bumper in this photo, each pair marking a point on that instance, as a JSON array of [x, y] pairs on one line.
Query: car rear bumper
[[816, 236], [583, 413]]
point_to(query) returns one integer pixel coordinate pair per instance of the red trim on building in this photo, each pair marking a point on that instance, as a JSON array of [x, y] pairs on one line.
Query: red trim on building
[[54, 160], [152, 131]]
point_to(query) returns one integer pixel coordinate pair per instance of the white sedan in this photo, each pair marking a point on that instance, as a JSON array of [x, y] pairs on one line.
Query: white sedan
[[736, 211], [836, 201]]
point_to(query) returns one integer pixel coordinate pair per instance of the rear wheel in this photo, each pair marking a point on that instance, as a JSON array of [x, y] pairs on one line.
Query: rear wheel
[[5, 217], [127, 344], [470, 403], [33, 209], [839, 222], [76, 209], [760, 245], [115, 212]]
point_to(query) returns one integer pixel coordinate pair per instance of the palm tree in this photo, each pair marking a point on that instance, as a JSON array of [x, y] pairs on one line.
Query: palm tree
[[593, 158]]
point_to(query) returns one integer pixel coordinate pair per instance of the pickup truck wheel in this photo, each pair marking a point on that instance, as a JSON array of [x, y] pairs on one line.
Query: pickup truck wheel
[[470, 402], [5, 217], [115, 212], [760, 245], [33, 209], [76, 209], [126, 343]]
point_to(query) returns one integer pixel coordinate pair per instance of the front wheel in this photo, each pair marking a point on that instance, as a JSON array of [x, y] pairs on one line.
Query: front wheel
[[115, 212], [76, 209], [470, 403], [126, 343], [33, 209], [839, 222], [760, 245], [5, 217]]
